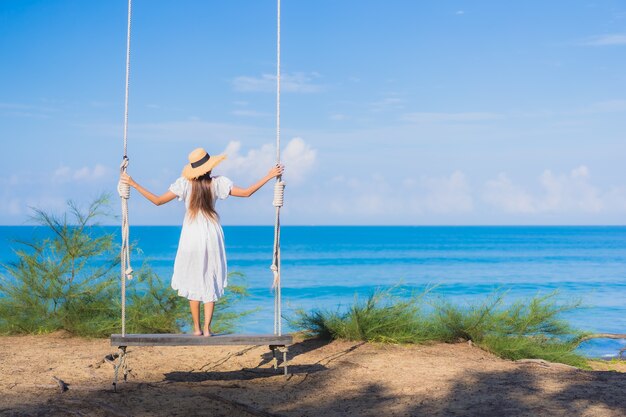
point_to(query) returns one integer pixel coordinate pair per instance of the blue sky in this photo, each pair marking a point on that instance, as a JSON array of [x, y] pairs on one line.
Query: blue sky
[[400, 112]]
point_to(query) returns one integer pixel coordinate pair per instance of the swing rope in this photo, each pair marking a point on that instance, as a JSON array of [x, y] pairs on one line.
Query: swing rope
[[124, 190], [279, 189]]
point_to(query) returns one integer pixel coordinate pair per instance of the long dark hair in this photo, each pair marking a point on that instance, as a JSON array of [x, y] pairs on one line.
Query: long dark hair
[[202, 198]]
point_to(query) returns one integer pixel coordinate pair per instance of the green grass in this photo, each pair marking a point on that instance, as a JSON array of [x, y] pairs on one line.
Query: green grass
[[528, 329]]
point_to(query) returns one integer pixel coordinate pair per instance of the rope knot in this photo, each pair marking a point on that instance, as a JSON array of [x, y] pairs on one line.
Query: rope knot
[[276, 280], [123, 189], [124, 163]]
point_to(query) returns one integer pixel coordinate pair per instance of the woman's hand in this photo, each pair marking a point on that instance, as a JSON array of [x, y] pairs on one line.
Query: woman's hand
[[127, 179], [276, 171]]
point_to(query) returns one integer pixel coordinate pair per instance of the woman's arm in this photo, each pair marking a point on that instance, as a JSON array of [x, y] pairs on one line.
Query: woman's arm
[[247, 192], [157, 200]]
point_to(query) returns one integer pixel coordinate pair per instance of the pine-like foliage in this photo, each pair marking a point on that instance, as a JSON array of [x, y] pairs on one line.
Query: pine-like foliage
[[70, 281], [532, 328], [53, 285]]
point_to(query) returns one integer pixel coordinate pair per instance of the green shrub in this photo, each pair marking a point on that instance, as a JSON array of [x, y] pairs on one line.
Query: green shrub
[[70, 281], [525, 329], [380, 318]]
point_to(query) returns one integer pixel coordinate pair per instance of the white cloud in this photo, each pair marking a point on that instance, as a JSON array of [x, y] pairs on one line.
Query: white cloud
[[451, 198], [250, 165], [562, 193], [377, 195], [249, 113], [606, 40], [464, 117], [297, 156], [502, 193], [608, 106], [62, 174], [387, 104], [451, 194], [615, 199], [17, 208], [363, 197], [297, 82], [83, 174], [571, 192], [100, 104], [27, 110]]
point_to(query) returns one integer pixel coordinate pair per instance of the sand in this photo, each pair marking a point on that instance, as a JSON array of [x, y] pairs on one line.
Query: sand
[[327, 379]]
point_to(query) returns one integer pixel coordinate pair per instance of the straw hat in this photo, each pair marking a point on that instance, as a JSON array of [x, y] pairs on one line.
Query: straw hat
[[200, 162]]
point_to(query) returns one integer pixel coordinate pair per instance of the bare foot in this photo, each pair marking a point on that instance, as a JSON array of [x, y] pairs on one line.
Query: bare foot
[[197, 333], [207, 332]]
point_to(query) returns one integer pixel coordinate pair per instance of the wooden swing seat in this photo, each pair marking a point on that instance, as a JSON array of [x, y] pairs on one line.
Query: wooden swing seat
[[276, 344], [191, 340]]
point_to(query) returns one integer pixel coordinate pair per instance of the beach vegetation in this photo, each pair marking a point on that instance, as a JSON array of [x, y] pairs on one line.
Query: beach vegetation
[[70, 281], [525, 329]]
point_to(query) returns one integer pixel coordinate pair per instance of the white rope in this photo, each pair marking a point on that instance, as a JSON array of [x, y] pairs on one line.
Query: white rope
[[278, 84], [279, 187], [279, 194], [127, 80], [124, 189]]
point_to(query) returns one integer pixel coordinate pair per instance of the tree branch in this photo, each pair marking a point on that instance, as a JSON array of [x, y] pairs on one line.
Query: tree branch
[[601, 336]]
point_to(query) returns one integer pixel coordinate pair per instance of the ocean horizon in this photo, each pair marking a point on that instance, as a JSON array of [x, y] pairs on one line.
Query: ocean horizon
[[328, 266]]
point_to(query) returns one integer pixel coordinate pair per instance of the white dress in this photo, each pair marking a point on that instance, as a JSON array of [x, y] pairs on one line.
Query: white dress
[[200, 271]]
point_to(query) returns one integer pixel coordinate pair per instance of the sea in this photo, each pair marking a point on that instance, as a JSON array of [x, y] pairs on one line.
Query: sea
[[329, 267]]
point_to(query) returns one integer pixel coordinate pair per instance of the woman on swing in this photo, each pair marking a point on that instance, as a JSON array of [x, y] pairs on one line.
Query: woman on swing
[[200, 272]]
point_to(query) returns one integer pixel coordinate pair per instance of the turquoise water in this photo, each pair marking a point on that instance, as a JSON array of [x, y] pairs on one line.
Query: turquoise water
[[326, 266]]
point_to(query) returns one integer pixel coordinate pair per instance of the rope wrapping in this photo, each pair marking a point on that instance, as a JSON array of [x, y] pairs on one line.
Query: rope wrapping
[[279, 193]]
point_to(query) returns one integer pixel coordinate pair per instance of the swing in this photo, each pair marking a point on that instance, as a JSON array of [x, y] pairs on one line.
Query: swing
[[277, 342]]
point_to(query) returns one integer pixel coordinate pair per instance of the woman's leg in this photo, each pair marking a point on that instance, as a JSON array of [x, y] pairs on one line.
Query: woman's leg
[[208, 316], [195, 316]]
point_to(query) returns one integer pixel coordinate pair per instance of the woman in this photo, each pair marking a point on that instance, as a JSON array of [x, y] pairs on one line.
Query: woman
[[200, 272]]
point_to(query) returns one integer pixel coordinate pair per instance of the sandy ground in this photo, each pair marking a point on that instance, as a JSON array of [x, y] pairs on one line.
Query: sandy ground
[[327, 379]]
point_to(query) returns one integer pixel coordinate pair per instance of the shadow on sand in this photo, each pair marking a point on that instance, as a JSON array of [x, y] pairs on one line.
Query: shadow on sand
[[262, 391]]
